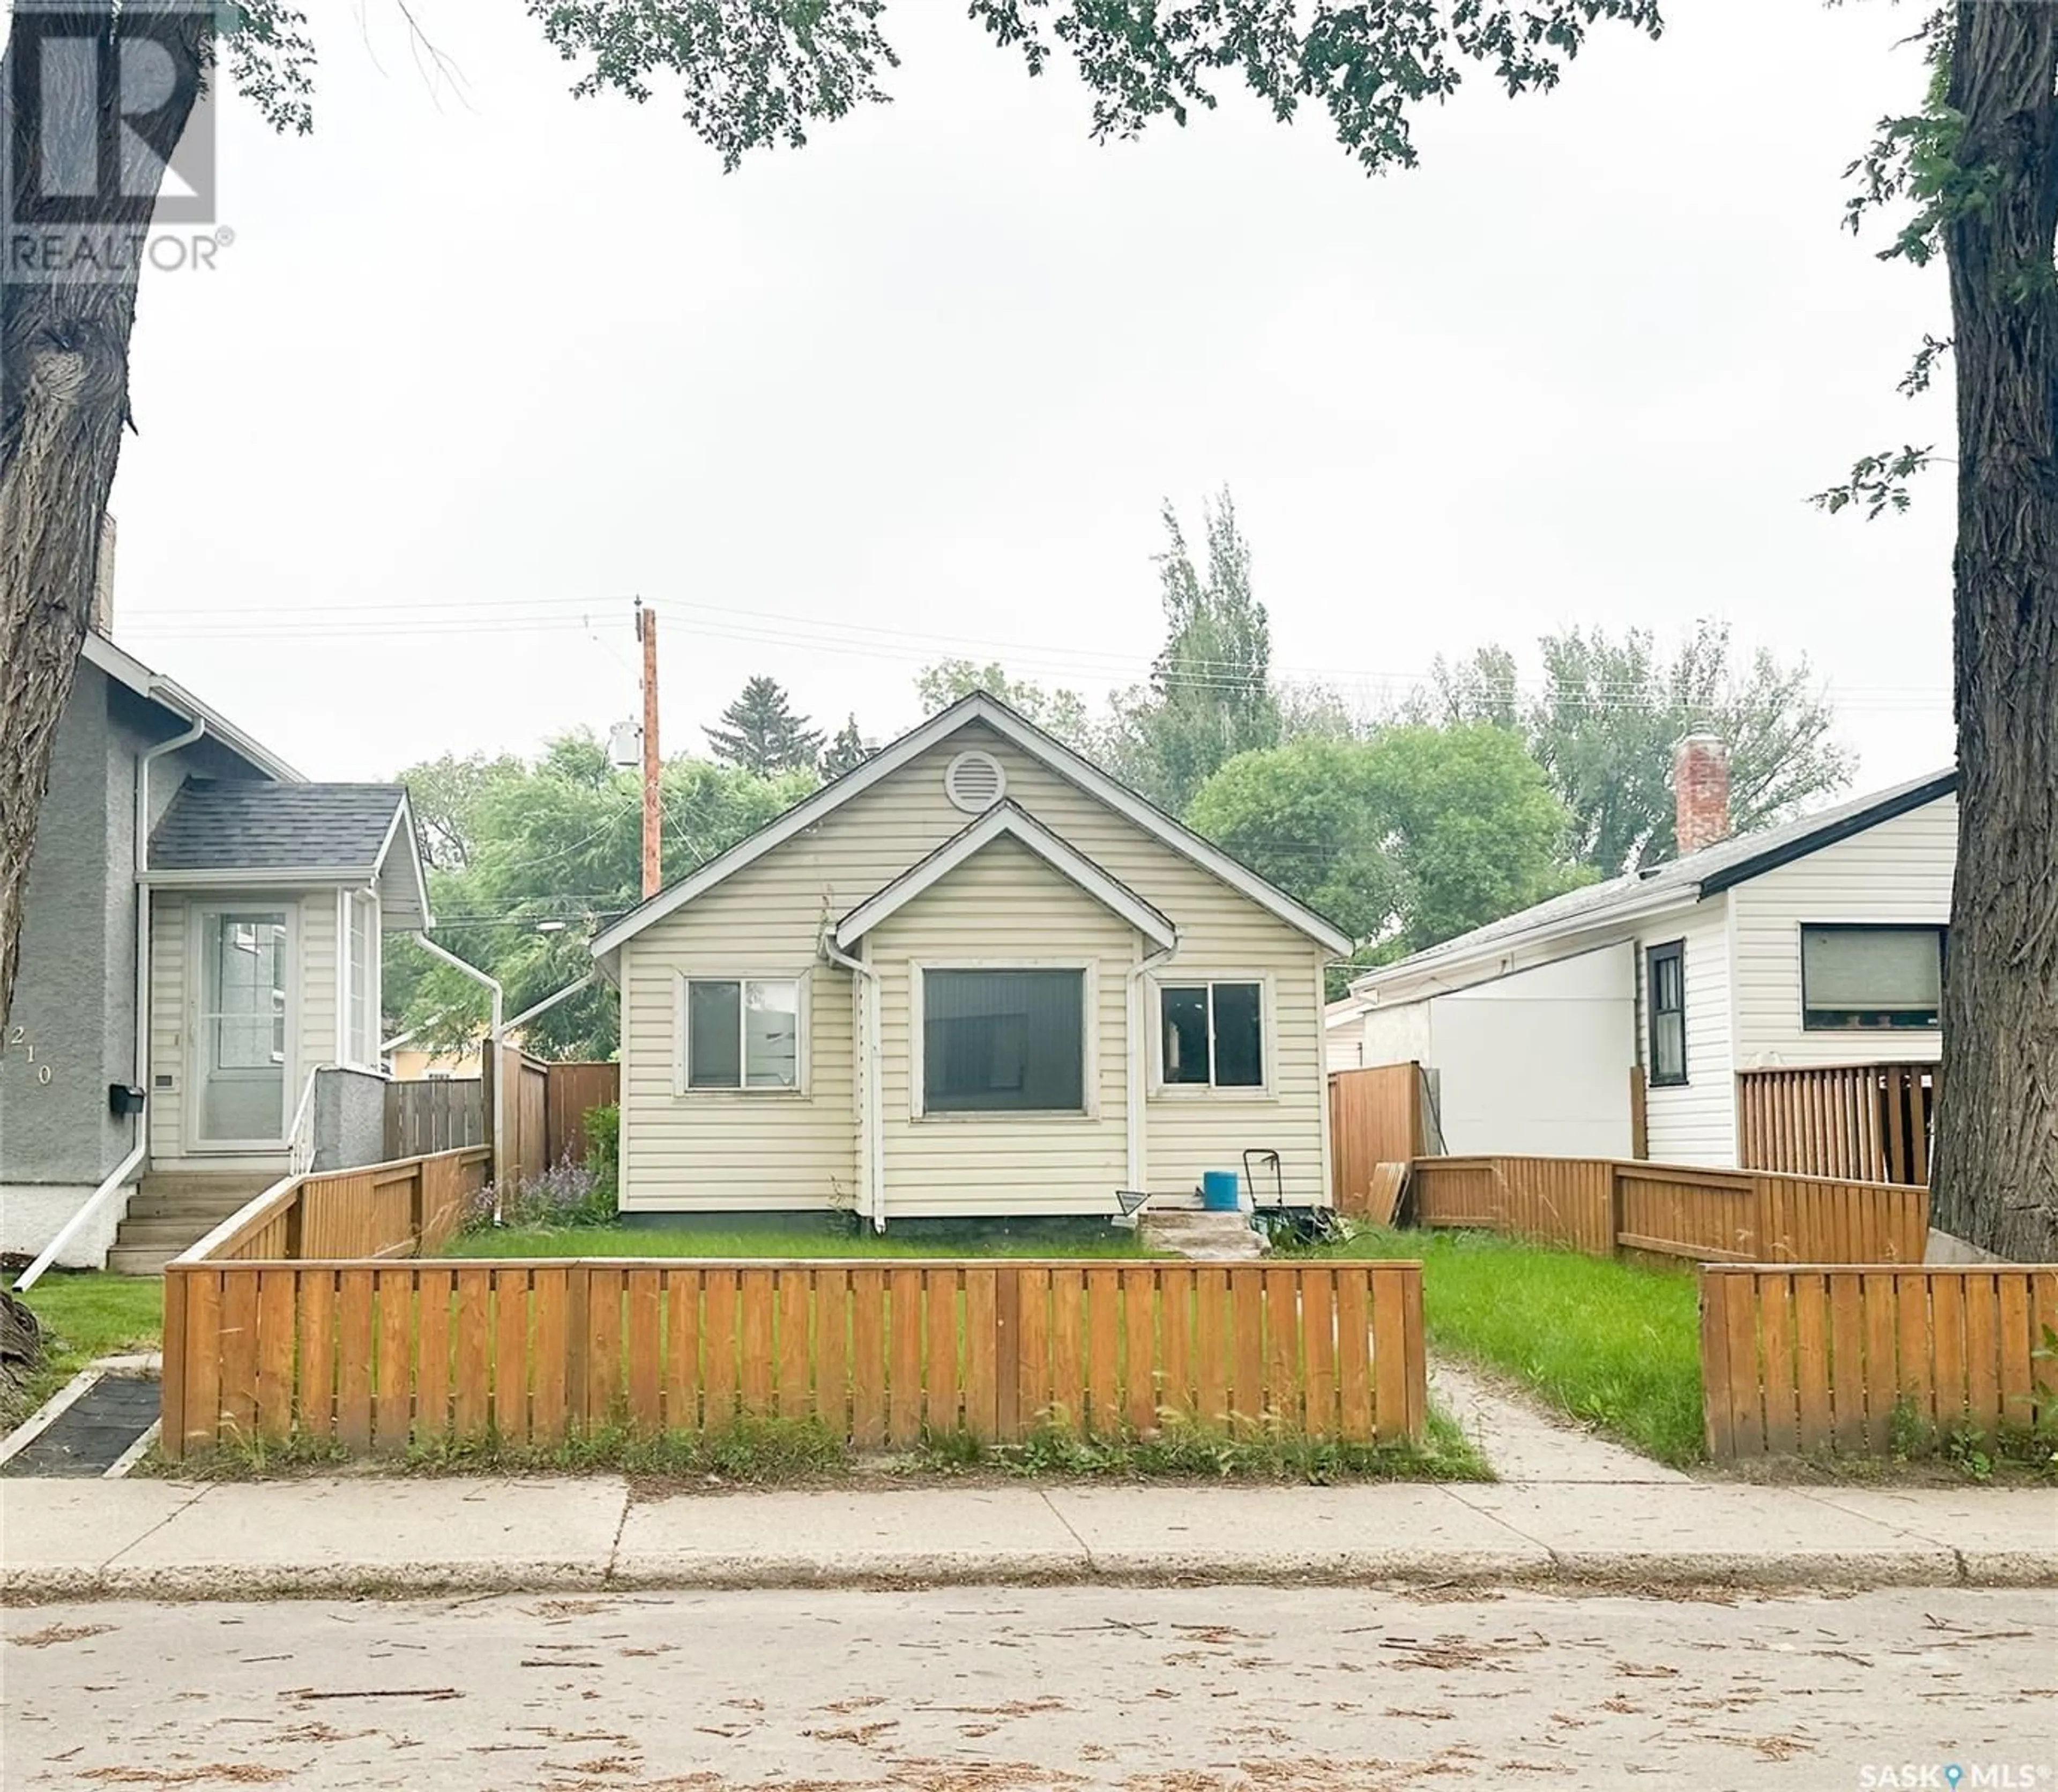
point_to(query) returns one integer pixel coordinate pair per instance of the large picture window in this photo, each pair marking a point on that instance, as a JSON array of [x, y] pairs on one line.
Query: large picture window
[[1666, 996], [1858, 978], [743, 1033], [998, 1041], [1211, 1035]]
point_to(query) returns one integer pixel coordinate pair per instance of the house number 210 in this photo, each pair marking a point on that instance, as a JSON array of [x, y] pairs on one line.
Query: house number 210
[[18, 1034]]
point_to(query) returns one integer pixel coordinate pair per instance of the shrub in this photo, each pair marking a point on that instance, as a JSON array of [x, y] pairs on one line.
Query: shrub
[[567, 1194], [603, 1147]]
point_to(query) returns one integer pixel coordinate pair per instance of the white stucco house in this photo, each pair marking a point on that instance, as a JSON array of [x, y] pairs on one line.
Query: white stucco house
[[1818, 943], [975, 976]]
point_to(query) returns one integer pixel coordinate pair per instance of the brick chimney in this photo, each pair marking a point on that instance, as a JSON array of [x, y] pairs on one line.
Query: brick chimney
[[1701, 792]]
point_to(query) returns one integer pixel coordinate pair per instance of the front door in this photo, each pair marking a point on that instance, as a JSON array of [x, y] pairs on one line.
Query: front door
[[239, 1046]]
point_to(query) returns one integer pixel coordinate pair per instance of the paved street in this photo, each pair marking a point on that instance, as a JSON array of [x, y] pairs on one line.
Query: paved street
[[976, 1690]]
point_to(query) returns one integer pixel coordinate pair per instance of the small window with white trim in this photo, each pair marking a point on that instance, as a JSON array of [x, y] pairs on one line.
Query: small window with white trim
[[742, 1033], [1863, 978], [1211, 1035]]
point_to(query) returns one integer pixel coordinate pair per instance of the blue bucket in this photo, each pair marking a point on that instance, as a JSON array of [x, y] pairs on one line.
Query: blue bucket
[[1221, 1191]]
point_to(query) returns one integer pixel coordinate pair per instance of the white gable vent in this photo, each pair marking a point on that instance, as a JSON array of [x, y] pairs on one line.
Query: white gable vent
[[975, 782]]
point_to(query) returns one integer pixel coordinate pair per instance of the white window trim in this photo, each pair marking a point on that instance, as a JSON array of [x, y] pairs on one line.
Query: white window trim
[[346, 905], [804, 1001], [1268, 1038], [1089, 969]]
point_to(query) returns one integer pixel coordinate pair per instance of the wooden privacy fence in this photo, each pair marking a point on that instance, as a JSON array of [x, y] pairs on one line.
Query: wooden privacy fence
[[544, 1110], [444, 1114], [387, 1210], [379, 1355], [1802, 1359], [1603, 1205], [1375, 1118], [1873, 1122]]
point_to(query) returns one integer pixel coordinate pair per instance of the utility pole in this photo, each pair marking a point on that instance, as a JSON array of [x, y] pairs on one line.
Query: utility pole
[[646, 631]]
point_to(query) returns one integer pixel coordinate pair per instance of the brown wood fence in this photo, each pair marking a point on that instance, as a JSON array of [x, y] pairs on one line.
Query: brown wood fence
[[443, 1113], [379, 1354], [1375, 1118], [1601, 1205], [386, 1210], [1870, 1122], [544, 1109], [1803, 1359]]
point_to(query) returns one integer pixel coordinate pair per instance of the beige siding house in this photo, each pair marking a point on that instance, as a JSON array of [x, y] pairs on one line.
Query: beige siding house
[[974, 977], [1819, 942]]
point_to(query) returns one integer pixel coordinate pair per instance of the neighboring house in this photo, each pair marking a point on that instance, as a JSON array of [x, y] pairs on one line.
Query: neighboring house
[[410, 1063], [974, 976], [1820, 942], [245, 937]]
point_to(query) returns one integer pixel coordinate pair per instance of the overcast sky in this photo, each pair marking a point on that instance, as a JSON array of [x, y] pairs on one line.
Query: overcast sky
[[479, 367]]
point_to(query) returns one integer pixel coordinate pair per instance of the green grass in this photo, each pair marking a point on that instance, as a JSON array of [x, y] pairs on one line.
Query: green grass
[[623, 1241], [1615, 1344], [85, 1314], [772, 1452]]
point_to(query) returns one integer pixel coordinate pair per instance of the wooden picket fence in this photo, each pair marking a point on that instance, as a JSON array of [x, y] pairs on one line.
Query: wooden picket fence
[[1799, 1359], [441, 1114], [379, 1355], [544, 1106], [1603, 1204], [1871, 1121], [387, 1210]]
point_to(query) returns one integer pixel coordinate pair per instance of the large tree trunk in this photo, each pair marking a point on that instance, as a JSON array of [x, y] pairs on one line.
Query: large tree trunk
[[64, 387], [1996, 1163]]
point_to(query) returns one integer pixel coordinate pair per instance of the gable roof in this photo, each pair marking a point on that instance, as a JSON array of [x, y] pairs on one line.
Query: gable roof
[[1675, 884], [1019, 732], [125, 669], [1005, 820], [241, 830]]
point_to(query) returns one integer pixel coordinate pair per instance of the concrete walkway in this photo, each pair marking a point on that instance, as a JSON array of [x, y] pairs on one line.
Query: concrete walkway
[[392, 1535], [1522, 1443]]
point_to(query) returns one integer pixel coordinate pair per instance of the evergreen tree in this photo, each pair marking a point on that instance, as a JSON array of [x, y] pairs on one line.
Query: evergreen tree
[[762, 734], [846, 752]]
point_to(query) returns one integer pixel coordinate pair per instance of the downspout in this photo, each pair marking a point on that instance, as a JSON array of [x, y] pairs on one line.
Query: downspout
[[495, 1034], [139, 853], [1138, 1055], [873, 1120]]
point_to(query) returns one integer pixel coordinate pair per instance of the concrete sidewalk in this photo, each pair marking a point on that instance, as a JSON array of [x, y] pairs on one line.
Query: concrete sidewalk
[[400, 1536]]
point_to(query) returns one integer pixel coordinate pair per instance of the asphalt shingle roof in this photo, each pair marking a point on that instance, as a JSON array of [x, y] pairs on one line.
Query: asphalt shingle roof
[[1713, 867], [249, 825]]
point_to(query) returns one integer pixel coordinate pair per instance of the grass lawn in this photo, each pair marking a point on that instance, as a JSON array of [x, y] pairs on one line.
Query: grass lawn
[[624, 1241], [85, 1314], [1613, 1344]]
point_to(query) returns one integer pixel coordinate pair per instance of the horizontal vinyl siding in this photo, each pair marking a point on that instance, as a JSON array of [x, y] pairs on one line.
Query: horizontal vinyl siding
[[319, 1043], [1696, 1123], [1004, 906], [744, 1152], [1900, 870], [167, 1107]]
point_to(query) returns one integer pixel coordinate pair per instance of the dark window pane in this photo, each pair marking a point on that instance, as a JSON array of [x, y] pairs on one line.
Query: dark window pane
[[1002, 1041], [714, 1036], [1668, 1048], [1239, 1048], [1665, 996], [1185, 1027]]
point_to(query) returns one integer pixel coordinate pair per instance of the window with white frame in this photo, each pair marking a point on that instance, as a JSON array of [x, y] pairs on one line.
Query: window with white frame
[[362, 1016], [1211, 1035], [742, 1033], [1004, 1042]]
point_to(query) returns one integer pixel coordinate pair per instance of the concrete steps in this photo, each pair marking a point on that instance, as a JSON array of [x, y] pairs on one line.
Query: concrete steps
[[172, 1212], [1206, 1237]]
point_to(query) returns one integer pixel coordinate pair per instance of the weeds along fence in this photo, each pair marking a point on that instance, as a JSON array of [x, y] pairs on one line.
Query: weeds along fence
[[381, 1356], [1602, 1205], [1796, 1360]]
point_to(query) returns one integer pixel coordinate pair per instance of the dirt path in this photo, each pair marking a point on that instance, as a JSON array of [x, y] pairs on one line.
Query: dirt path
[[1525, 1443]]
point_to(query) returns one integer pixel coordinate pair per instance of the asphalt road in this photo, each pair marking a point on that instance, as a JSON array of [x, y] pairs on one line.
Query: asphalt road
[[1184, 1689]]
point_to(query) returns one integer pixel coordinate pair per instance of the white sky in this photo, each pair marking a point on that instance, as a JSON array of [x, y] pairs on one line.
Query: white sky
[[474, 367]]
